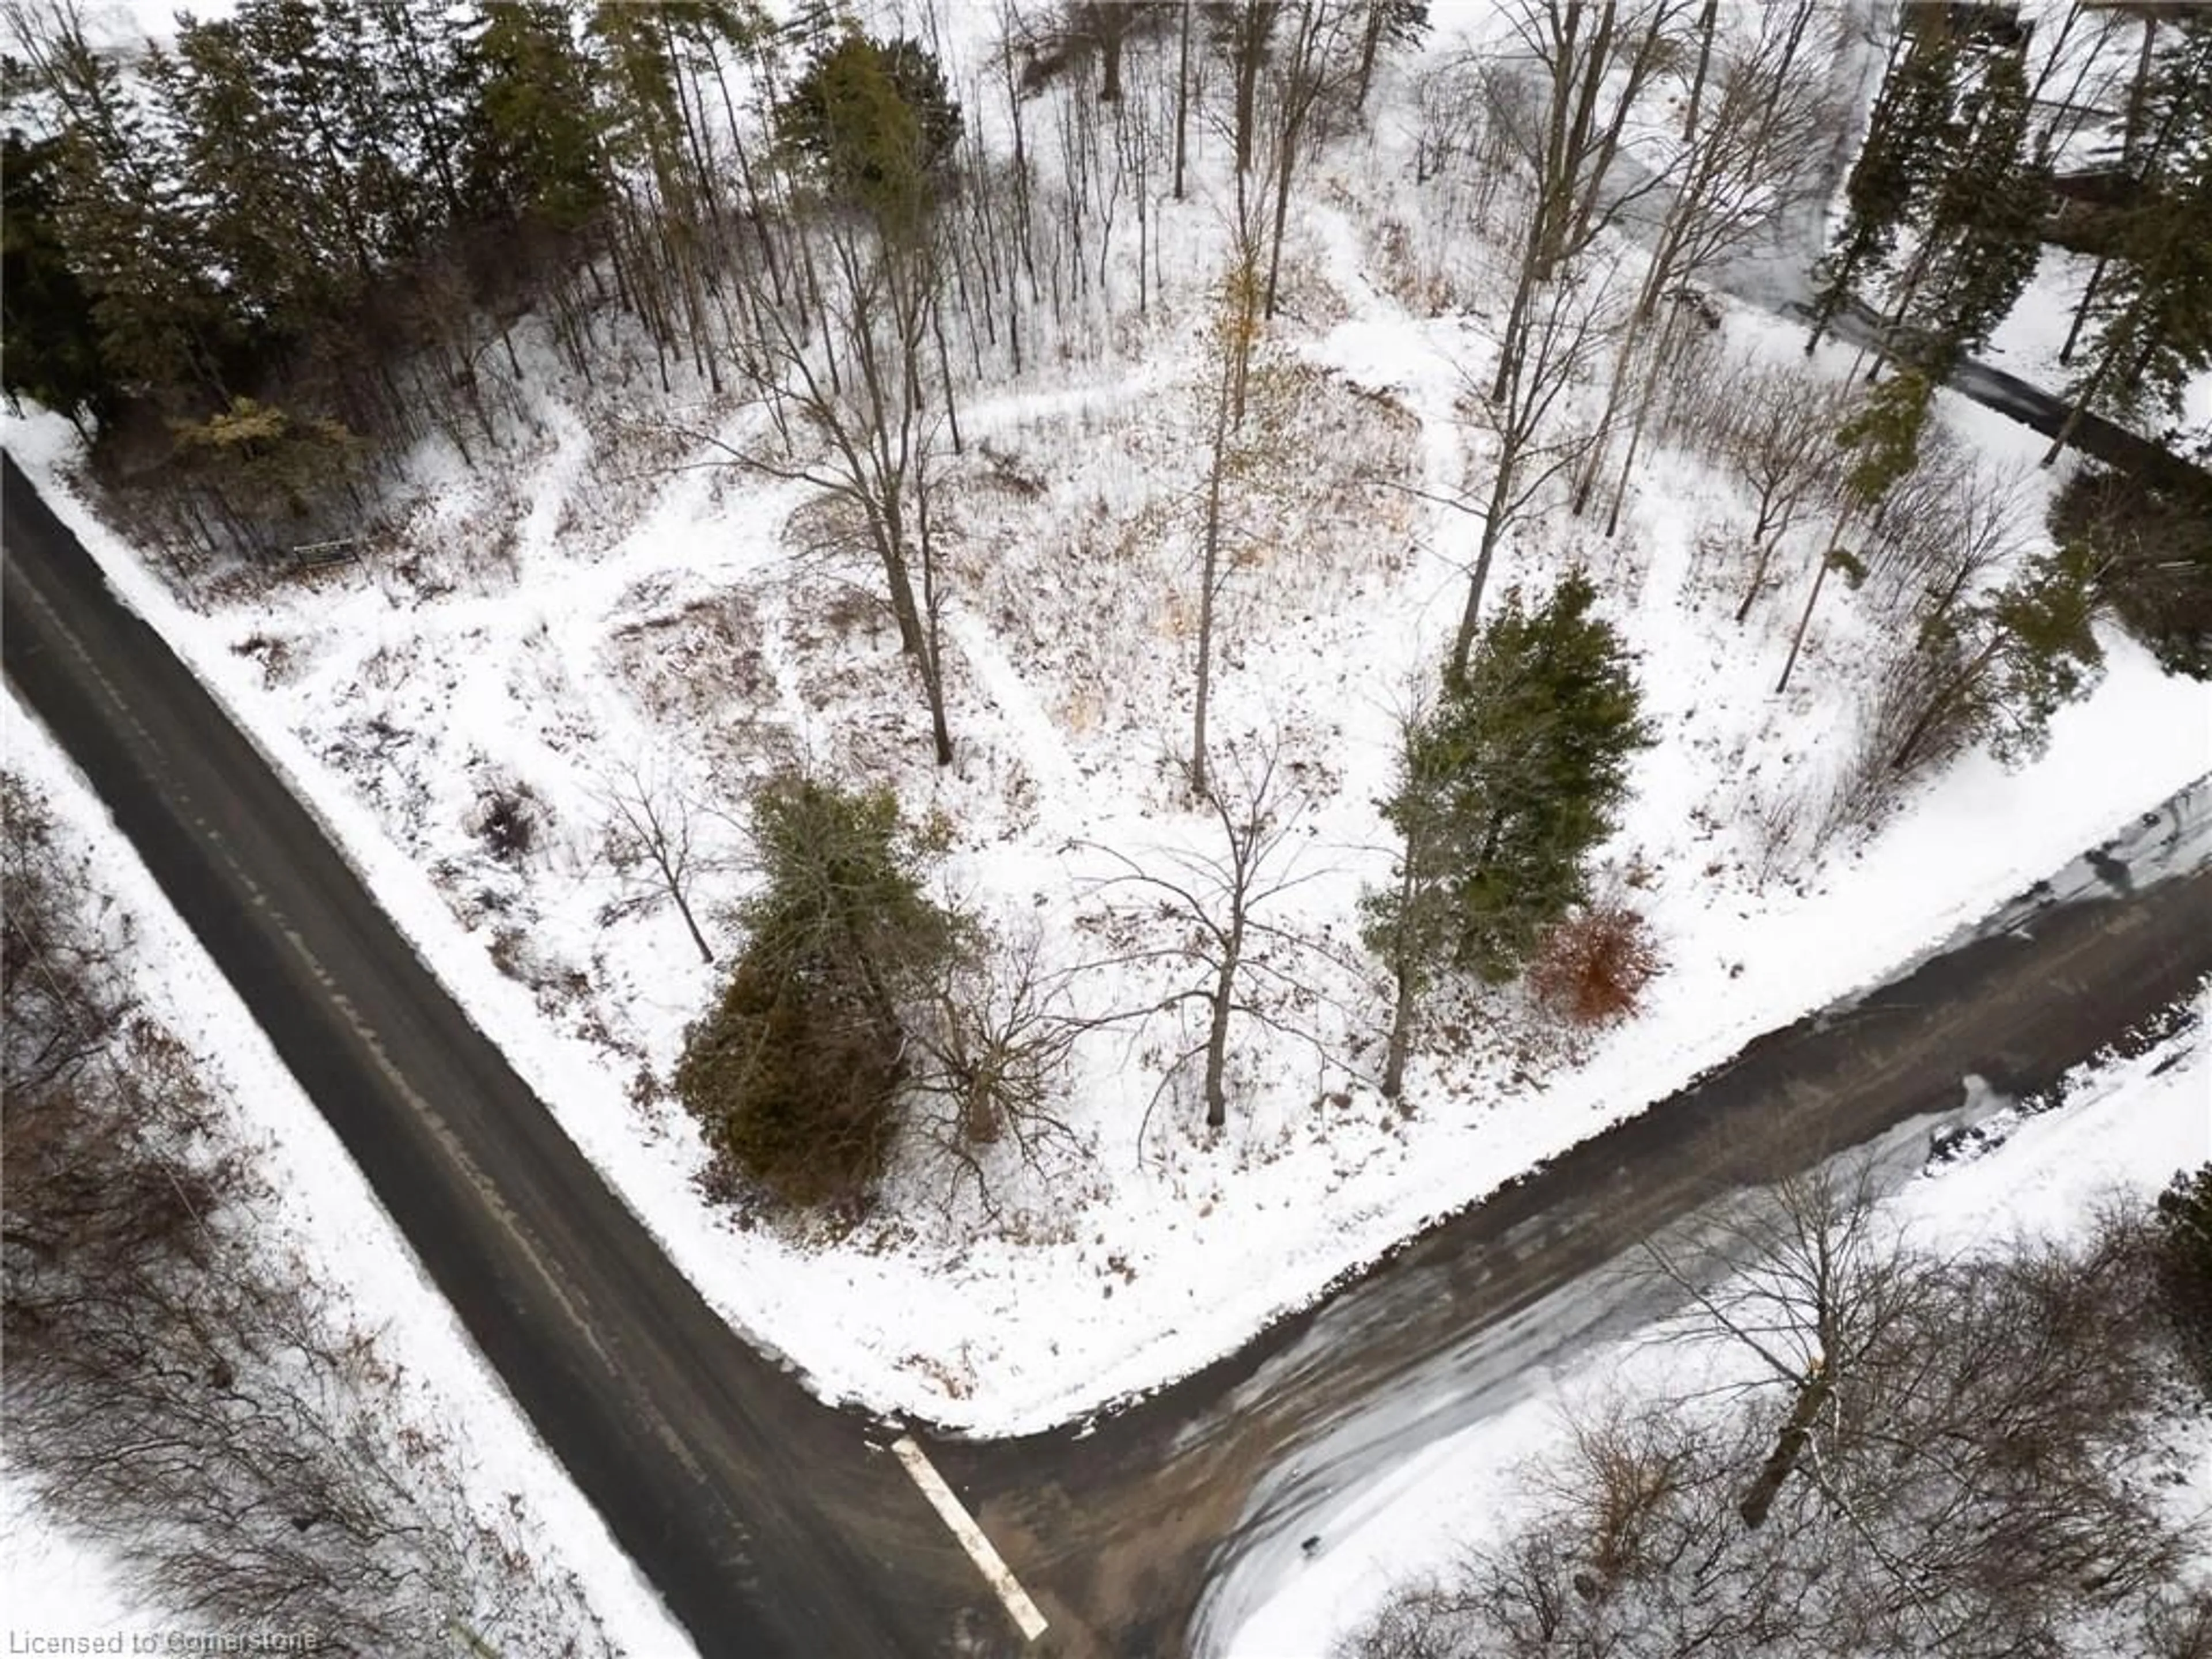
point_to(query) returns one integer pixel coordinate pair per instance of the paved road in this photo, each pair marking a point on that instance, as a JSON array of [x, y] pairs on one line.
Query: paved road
[[2037, 411], [761, 1516], [1122, 1532], [766, 1522]]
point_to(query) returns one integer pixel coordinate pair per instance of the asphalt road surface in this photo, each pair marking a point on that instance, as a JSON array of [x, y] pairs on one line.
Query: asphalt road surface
[[764, 1519], [768, 1521], [1121, 1531]]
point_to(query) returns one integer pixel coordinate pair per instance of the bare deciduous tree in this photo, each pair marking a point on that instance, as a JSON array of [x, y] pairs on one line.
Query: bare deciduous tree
[[1236, 330], [1749, 157], [1559, 333], [995, 1040], [67, 998], [1950, 1470], [1591, 62], [1777, 430], [855, 411], [651, 824], [179, 1386], [1814, 1288], [1310, 71], [1243, 31], [1219, 897]]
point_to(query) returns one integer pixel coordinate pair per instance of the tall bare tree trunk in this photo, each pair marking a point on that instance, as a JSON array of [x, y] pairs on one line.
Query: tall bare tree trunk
[[933, 656], [1805, 618], [1217, 1036], [1706, 19], [1182, 98], [1789, 1447], [1371, 41], [1210, 579], [1494, 525]]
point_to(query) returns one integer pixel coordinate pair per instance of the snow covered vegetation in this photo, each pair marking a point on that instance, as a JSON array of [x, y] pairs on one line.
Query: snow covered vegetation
[[226, 1379], [1055, 668], [1969, 1415]]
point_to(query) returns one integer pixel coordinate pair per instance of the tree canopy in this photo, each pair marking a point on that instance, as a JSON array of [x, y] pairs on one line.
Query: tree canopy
[[794, 1077], [1519, 772]]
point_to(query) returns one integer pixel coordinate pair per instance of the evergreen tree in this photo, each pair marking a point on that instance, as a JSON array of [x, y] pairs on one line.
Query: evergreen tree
[[267, 471], [1906, 143], [327, 124], [1982, 234], [1410, 924], [264, 215], [432, 76], [121, 210], [2181, 1237], [1882, 438], [874, 123], [533, 144], [794, 1077], [2153, 311], [644, 126], [49, 341], [1504, 790], [1948, 161], [2150, 542]]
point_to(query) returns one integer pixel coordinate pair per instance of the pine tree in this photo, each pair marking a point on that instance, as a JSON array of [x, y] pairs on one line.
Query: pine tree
[[1981, 235], [794, 1077], [1906, 143], [264, 212], [49, 341], [1503, 791], [2181, 1241], [534, 145], [268, 473], [432, 75], [2150, 542], [2153, 311], [1409, 925], [122, 213], [874, 123]]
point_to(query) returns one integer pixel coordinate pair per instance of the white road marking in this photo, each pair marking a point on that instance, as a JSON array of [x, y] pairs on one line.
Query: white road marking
[[971, 1537]]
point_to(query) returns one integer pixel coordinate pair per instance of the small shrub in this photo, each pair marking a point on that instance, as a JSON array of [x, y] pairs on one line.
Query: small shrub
[[1592, 968], [506, 820]]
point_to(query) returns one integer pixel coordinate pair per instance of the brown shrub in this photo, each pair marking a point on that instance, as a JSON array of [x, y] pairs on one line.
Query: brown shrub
[[1592, 968]]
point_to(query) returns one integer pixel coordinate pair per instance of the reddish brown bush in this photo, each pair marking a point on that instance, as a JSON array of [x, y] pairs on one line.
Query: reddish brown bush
[[1592, 968]]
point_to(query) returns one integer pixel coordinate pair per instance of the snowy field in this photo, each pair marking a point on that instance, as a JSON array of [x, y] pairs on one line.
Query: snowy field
[[596, 609], [2126, 1126], [52, 1584]]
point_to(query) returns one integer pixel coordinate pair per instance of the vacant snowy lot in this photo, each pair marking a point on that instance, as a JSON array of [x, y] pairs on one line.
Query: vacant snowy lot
[[604, 612]]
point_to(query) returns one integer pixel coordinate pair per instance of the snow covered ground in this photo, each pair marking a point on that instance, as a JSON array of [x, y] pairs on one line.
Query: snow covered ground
[[52, 1584], [2125, 1125], [550, 626]]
